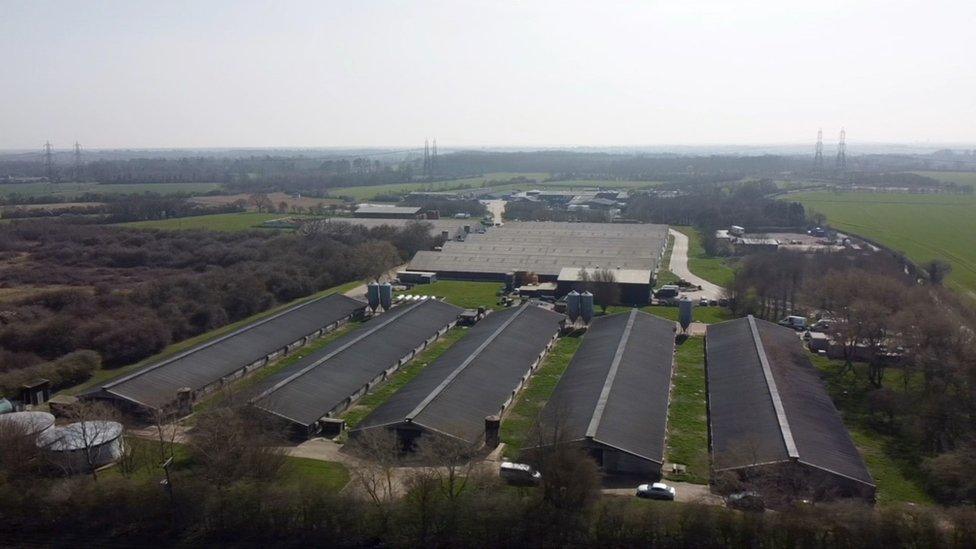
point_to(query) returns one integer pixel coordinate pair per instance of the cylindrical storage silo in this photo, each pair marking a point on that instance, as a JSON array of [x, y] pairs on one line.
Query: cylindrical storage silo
[[25, 424], [79, 446], [386, 295], [685, 312], [586, 307], [373, 295], [573, 305]]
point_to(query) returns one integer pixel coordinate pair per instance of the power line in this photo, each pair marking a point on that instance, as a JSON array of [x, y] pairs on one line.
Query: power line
[[818, 154], [77, 174], [49, 161], [842, 150]]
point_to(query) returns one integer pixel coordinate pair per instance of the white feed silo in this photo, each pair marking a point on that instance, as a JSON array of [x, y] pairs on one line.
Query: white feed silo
[[685, 312], [69, 446], [586, 307]]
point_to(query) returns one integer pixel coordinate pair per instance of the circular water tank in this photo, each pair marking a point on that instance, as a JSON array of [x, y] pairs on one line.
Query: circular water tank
[[67, 446], [31, 424]]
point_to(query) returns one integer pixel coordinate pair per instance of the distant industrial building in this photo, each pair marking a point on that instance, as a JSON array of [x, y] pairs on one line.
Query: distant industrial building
[[387, 212], [463, 393], [308, 393], [771, 420], [448, 229], [613, 398], [172, 385], [635, 284], [634, 251]]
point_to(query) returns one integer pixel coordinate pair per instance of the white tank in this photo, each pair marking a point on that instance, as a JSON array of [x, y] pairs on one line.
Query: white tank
[[66, 446]]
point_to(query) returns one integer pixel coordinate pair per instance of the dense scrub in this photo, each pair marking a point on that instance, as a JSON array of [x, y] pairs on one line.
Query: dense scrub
[[127, 293]]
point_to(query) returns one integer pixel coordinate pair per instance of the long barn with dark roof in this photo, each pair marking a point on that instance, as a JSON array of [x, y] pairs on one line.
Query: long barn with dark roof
[[613, 398], [461, 394], [771, 420]]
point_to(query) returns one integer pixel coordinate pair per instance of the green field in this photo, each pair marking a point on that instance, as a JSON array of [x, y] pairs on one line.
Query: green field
[[959, 178], [74, 190], [923, 227], [375, 398], [226, 222], [469, 295], [716, 270], [368, 192], [688, 414], [705, 315], [522, 416]]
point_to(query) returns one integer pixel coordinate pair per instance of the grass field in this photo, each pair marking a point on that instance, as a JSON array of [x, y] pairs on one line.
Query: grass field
[[463, 293], [227, 222], [892, 463], [104, 375], [923, 227], [368, 192], [518, 422], [375, 398], [73, 190], [717, 270], [959, 178], [688, 414], [705, 315]]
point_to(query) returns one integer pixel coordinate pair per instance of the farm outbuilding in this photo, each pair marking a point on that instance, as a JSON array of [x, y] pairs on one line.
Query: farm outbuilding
[[771, 420], [613, 398], [461, 394], [78, 447], [388, 212], [202, 369], [326, 382]]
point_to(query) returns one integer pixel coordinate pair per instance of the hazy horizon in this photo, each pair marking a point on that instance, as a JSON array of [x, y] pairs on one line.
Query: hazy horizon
[[256, 75]]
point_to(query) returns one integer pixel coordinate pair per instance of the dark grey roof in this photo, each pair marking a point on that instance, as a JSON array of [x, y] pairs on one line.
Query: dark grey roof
[[474, 378], [616, 389], [156, 385], [312, 387], [767, 403]]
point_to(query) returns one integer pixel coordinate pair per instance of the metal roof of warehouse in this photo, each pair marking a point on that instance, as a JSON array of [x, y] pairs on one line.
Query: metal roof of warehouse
[[767, 403], [547, 247], [157, 385], [616, 389], [474, 378], [383, 209], [309, 389]]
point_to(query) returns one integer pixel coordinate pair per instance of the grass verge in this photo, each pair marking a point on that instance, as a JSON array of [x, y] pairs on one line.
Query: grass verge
[[373, 399], [688, 413], [717, 270], [522, 416]]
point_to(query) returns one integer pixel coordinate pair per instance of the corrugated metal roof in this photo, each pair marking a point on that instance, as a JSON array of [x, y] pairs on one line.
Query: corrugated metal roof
[[617, 387], [156, 385], [312, 387], [474, 378], [392, 210], [773, 412], [546, 248]]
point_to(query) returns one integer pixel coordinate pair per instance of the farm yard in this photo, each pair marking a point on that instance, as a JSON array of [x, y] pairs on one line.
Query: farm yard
[[923, 227]]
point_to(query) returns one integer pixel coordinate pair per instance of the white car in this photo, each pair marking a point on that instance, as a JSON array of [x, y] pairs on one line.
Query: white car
[[519, 473], [658, 490]]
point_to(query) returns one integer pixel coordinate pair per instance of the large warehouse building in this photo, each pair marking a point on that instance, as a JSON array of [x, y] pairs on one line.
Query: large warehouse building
[[771, 419], [327, 382], [613, 398], [462, 393], [162, 386], [547, 249]]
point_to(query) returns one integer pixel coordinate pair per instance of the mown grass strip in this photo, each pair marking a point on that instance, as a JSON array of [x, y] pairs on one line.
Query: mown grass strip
[[688, 413], [518, 422]]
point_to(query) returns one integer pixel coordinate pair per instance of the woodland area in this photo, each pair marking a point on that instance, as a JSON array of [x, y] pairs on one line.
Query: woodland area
[[114, 296]]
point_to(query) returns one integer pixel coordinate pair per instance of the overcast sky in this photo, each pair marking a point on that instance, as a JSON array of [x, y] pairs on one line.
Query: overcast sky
[[362, 73]]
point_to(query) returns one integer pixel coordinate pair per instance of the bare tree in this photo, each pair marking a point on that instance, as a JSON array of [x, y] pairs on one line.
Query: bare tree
[[230, 445], [380, 453], [95, 422], [453, 461], [604, 287]]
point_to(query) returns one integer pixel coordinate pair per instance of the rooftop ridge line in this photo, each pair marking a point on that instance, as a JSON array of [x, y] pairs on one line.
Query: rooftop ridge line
[[464, 364], [618, 355], [784, 424]]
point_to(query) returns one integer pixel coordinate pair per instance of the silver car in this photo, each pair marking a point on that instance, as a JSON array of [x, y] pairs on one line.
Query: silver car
[[658, 490]]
